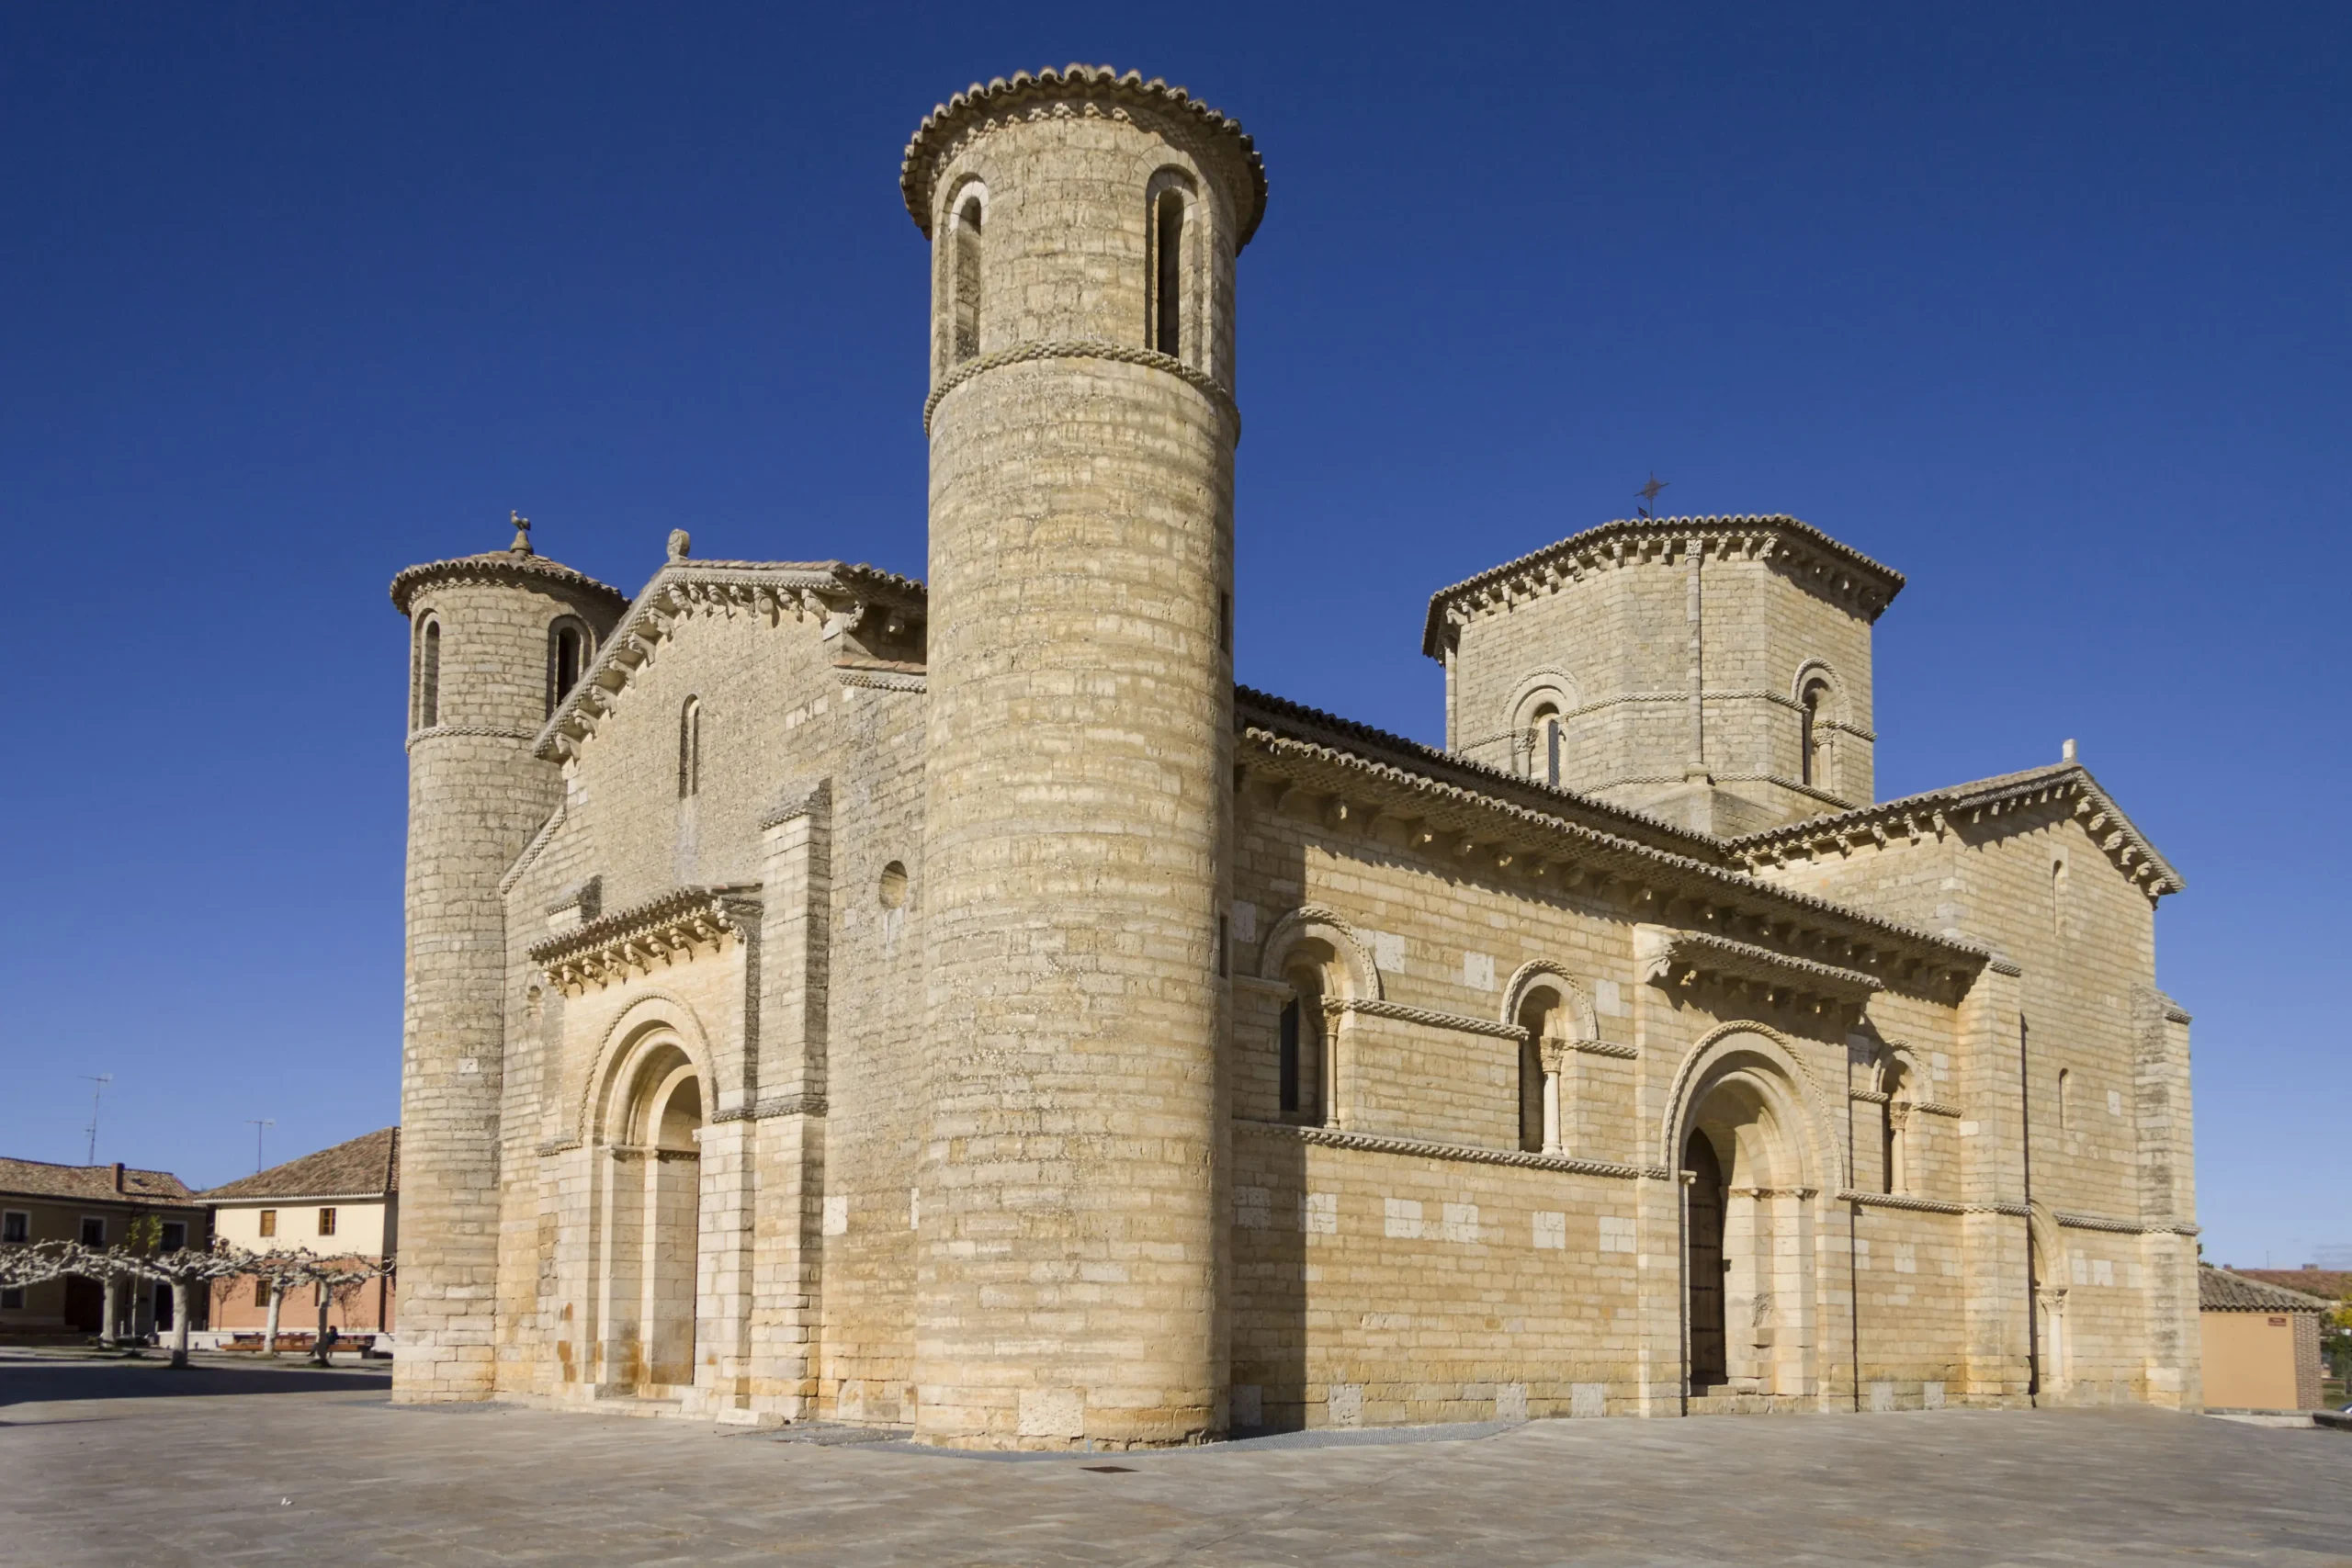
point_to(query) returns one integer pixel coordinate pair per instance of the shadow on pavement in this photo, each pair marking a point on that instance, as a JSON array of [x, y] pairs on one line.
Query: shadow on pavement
[[32, 1381]]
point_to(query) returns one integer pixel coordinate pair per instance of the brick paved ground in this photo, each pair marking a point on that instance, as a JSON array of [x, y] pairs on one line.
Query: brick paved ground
[[241, 1463]]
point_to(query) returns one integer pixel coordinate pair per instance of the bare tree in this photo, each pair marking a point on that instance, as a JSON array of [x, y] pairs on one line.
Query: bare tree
[[36, 1264], [182, 1268], [286, 1270]]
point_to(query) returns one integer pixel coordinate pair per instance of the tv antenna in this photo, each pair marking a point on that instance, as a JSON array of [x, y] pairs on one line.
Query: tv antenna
[[1649, 493], [261, 1125], [101, 1080]]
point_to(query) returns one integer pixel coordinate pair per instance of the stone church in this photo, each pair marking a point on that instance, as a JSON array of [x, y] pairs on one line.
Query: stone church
[[956, 1007]]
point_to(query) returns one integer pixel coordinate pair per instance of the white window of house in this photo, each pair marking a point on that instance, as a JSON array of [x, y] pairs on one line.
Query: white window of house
[[16, 1225]]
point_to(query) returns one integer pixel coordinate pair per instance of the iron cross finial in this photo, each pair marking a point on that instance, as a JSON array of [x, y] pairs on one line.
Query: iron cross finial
[[1649, 493]]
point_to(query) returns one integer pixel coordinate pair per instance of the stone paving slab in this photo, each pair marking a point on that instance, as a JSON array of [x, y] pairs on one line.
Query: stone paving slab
[[101, 1470]]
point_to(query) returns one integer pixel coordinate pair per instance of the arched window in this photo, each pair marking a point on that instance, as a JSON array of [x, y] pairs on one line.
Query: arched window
[[2058, 897], [1298, 1066], [690, 749], [1536, 1014], [428, 673], [1544, 745], [1811, 703], [965, 278], [1893, 1177], [1168, 273], [568, 649], [2066, 1099]]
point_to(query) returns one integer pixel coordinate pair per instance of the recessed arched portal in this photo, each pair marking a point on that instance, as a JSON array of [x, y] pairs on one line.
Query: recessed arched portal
[[1748, 1148], [649, 1246]]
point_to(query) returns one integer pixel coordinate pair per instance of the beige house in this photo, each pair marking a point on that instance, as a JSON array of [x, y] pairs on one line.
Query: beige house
[[2260, 1343], [957, 1007], [96, 1205], [341, 1203]]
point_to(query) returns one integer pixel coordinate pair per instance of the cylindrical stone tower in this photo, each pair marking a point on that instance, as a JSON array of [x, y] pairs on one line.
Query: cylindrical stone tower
[[493, 640], [1078, 783]]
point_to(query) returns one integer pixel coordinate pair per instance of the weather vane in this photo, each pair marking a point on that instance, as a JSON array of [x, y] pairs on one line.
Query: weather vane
[[1649, 493], [522, 544]]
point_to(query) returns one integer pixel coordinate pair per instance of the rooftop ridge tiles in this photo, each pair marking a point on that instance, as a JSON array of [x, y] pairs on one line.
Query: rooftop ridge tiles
[[1433, 625], [357, 1167], [408, 580], [1487, 770], [1732, 878], [2225, 1290], [638, 619], [1962, 796], [916, 166]]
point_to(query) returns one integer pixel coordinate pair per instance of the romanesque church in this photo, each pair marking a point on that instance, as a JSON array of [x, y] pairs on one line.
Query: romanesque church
[[956, 1007]]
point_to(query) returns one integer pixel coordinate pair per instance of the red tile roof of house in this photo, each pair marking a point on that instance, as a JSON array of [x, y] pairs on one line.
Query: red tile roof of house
[[90, 1184], [363, 1165]]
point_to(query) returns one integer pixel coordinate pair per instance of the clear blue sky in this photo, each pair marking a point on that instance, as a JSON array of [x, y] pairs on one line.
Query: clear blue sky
[[2045, 306]]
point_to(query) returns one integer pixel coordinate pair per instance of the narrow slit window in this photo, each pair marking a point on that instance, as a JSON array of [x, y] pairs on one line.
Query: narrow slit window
[[1167, 275], [1287, 1064], [567, 657], [428, 675], [966, 282], [1809, 733], [690, 749]]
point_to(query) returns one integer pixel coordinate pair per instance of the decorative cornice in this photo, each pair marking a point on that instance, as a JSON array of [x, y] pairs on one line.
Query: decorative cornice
[[2014, 1210], [664, 931], [881, 680], [1917, 816], [1684, 958], [1802, 551], [978, 108], [1084, 348], [513, 568], [482, 731], [2123, 1227], [1450, 800], [514, 874], [1470, 1154], [801, 800], [1606, 1048], [838, 596], [1464, 1023], [777, 1105]]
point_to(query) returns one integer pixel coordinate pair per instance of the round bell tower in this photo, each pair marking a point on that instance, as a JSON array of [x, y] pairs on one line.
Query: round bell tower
[[1080, 744]]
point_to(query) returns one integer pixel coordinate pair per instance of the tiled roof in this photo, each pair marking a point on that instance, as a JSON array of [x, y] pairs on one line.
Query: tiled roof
[[508, 565], [2117, 833], [1883, 583], [2334, 1284], [39, 1179], [364, 1165], [1003, 96], [2221, 1290]]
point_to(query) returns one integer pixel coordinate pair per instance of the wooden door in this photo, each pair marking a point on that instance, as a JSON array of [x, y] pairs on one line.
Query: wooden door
[[1705, 1262]]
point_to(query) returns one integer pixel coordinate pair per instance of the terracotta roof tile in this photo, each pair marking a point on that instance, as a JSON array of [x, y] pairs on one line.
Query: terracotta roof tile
[[2221, 1290], [39, 1179], [2334, 1284], [367, 1163]]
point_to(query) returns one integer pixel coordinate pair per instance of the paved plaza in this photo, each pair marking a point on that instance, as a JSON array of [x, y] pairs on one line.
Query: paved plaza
[[130, 1463]]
